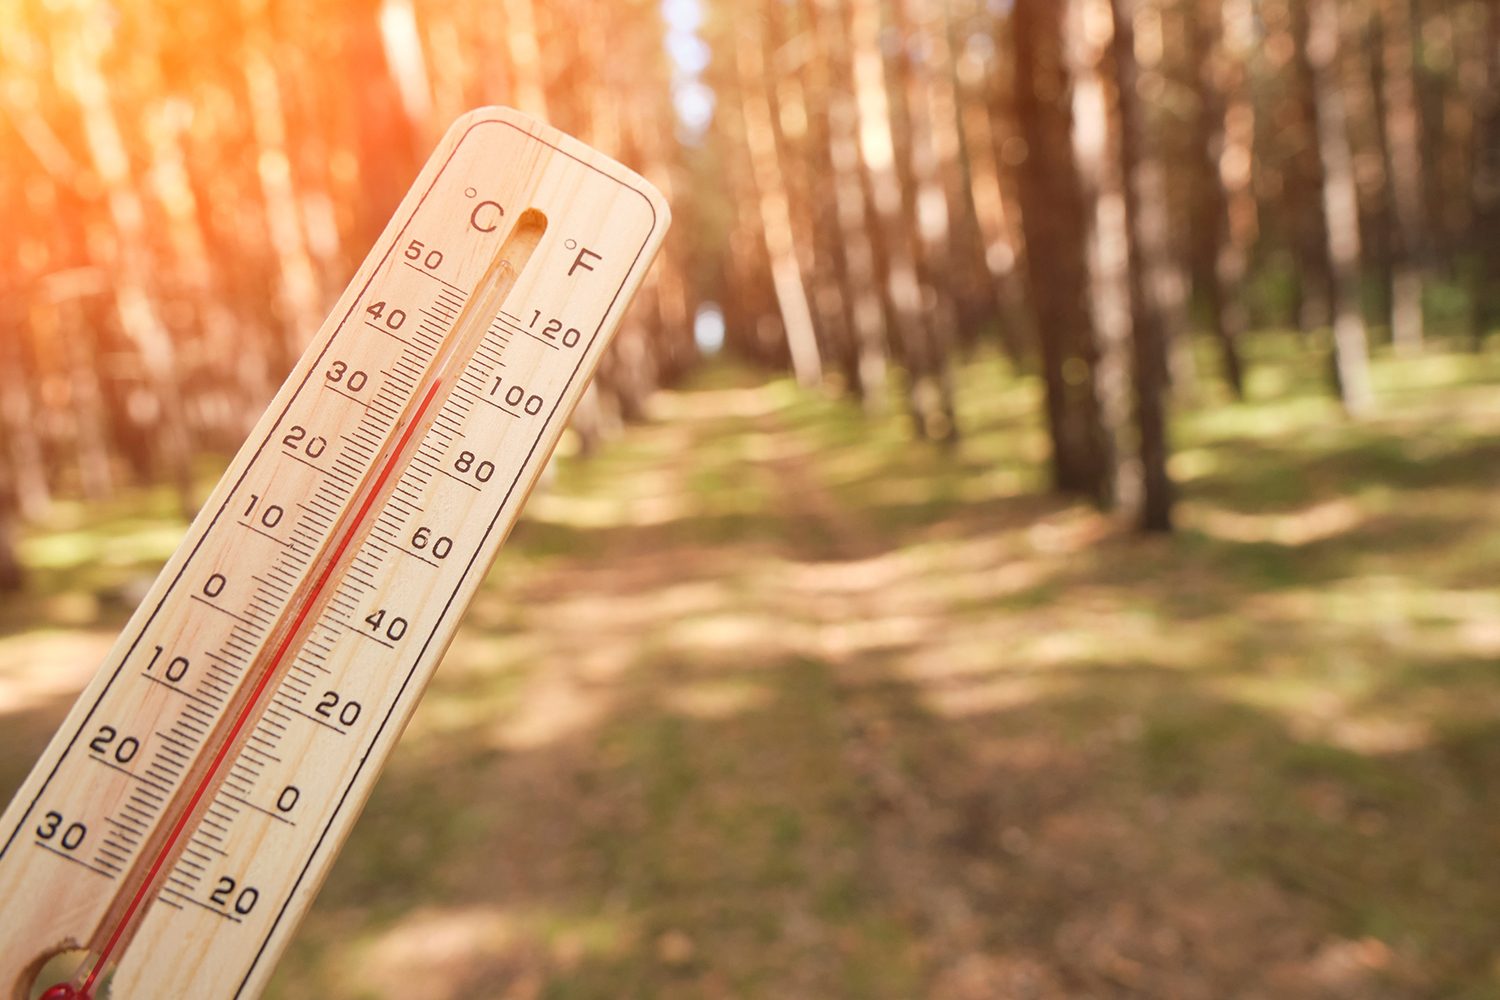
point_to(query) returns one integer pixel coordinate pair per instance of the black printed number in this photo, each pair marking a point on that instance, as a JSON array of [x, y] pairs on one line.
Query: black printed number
[[108, 744], [340, 373], [270, 515], [394, 628], [514, 395], [331, 706], [241, 902], [439, 547], [467, 463], [415, 250], [553, 330], [298, 439], [390, 318], [174, 670], [55, 829]]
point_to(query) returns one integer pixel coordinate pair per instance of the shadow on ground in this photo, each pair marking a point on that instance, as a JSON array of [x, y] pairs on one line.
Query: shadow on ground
[[766, 703]]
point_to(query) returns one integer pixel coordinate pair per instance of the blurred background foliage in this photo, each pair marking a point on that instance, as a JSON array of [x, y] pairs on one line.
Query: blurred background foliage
[[1033, 536]]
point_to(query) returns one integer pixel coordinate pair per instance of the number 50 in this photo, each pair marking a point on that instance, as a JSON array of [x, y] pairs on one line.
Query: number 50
[[432, 259]]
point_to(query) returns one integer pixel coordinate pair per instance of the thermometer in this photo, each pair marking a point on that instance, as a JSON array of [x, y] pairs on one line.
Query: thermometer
[[183, 817]]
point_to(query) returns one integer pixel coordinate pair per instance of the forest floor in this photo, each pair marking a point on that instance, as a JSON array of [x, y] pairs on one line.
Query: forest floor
[[765, 701]]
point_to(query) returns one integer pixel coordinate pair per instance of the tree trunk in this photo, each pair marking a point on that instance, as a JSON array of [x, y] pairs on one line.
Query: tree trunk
[[1055, 223], [815, 246], [91, 437], [920, 118], [1306, 181], [775, 212], [1150, 277], [385, 142], [24, 461], [1225, 208], [1484, 269], [12, 575], [1351, 353], [236, 382], [17, 419], [858, 267], [298, 293], [1403, 163], [981, 122], [1093, 135], [981, 299], [401, 40], [894, 241]]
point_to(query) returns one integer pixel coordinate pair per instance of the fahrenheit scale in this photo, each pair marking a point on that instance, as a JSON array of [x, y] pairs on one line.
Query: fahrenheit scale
[[183, 817]]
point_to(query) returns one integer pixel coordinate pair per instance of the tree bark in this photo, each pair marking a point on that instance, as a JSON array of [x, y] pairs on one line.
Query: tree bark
[[982, 121], [775, 211], [1484, 268], [299, 295], [1306, 182], [1225, 207], [1055, 221], [1087, 52], [1351, 353], [19, 431], [1403, 167], [893, 239], [27, 490], [1150, 277], [813, 241], [831, 76], [922, 122], [12, 573]]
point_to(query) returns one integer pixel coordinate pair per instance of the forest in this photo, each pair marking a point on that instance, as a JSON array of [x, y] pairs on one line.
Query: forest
[[1038, 513]]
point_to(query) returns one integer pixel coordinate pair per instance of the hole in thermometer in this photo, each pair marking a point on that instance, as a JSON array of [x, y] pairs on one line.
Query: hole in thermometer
[[89, 981], [57, 967]]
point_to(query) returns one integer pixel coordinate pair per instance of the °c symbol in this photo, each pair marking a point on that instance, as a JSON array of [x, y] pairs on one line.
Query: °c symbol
[[470, 192], [482, 219]]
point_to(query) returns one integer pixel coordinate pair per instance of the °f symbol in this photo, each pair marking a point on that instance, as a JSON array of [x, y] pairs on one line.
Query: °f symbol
[[582, 260]]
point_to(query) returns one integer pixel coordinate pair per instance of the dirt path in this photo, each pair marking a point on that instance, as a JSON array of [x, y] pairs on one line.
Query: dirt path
[[807, 763], [1002, 846]]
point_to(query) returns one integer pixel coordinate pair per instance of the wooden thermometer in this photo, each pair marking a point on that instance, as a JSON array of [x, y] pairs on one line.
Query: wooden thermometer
[[182, 819]]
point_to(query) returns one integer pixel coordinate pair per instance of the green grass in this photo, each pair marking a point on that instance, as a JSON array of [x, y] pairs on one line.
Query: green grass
[[763, 700]]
